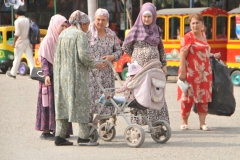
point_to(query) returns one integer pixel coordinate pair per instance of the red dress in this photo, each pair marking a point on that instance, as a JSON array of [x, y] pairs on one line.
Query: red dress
[[199, 71]]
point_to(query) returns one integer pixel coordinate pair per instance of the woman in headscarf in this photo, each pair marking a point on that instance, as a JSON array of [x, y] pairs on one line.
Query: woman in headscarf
[[45, 117], [103, 43], [144, 43], [71, 63]]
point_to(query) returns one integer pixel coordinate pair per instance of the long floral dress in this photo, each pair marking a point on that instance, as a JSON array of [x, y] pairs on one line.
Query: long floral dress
[[199, 71], [107, 45], [142, 52], [45, 116]]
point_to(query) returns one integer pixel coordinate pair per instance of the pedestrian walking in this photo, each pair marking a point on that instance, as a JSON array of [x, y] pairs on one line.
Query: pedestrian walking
[[21, 43]]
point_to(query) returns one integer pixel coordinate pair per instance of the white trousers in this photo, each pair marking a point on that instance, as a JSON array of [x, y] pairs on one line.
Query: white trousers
[[18, 51]]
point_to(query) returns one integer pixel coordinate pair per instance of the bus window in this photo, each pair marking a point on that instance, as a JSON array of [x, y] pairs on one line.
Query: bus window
[[208, 22], [186, 25], [10, 37], [174, 28], [221, 30], [161, 24], [233, 35]]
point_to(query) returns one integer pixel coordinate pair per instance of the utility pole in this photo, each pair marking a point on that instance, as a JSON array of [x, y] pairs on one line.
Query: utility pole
[[92, 7], [191, 3], [141, 3]]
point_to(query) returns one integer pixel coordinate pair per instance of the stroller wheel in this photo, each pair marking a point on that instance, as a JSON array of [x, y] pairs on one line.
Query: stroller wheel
[[93, 134], [107, 131], [162, 131], [134, 135]]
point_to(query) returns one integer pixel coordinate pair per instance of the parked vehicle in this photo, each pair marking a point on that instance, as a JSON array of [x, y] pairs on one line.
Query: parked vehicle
[[233, 46], [6, 49]]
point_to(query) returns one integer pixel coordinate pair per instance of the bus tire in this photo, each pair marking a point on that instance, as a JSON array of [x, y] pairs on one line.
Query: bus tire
[[235, 78]]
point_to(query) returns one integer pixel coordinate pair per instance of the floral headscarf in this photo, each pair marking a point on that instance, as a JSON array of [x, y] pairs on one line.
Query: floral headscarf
[[78, 17], [93, 29], [141, 32]]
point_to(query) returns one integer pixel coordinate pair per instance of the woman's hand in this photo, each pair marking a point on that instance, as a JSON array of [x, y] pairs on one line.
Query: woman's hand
[[47, 81], [164, 68], [101, 65], [109, 58], [217, 55], [182, 75]]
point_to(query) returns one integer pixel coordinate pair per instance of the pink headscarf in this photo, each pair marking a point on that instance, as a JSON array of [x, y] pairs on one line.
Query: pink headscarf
[[48, 45], [141, 32], [93, 29]]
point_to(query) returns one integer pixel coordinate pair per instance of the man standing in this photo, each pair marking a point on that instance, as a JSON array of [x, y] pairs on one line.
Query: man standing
[[21, 43]]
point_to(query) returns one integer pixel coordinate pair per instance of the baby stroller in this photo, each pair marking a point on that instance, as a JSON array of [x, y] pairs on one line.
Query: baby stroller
[[148, 87]]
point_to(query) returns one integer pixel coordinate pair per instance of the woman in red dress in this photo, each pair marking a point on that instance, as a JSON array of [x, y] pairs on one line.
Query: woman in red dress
[[195, 68]]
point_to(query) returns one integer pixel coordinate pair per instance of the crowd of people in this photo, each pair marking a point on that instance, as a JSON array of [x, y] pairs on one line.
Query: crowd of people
[[70, 55]]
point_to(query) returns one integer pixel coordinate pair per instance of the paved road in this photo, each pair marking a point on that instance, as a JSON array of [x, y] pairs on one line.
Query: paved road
[[19, 140]]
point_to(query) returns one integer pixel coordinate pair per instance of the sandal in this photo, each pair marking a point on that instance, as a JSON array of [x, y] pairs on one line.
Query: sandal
[[205, 128], [184, 127]]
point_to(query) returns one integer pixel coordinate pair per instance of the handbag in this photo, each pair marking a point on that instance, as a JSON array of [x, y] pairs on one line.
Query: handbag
[[37, 74]]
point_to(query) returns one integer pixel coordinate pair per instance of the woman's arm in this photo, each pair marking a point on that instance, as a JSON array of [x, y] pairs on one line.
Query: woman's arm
[[46, 70], [162, 56], [183, 68], [215, 55], [84, 53], [124, 86], [117, 51], [128, 48]]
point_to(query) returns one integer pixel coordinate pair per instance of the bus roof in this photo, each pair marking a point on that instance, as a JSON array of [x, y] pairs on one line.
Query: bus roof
[[180, 11], [236, 10]]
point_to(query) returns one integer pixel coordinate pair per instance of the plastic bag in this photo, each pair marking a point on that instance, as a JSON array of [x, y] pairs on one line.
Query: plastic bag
[[223, 101]]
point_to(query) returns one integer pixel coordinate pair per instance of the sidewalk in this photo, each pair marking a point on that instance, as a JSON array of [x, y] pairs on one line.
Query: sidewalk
[[19, 140]]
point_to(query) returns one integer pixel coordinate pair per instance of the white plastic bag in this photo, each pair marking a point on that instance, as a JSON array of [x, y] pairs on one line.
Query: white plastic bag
[[183, 85]]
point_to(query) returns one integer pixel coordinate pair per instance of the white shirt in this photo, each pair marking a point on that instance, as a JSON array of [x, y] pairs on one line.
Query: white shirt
[[22, 25]]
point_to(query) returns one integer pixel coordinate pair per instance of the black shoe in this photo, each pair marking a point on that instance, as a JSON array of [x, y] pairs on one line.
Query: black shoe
[[67, 136], [47, 136], [59, 141], [10, 75], [86, 142]]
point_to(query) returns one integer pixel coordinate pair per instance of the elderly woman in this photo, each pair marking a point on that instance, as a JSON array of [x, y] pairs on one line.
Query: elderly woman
[[71, 63], [144, 43], [103, 44], [195, 68], [45, 117]]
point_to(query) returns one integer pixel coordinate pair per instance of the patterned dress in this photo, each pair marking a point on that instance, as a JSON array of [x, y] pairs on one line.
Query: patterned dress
[[71, 77], [199, 71], [45, 117], [142, 52], [107, 45]]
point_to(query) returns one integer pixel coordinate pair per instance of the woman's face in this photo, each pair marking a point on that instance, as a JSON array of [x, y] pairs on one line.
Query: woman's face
[[62, 27], [196, 25], [85, 27], [147, 19], [100, 22]]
